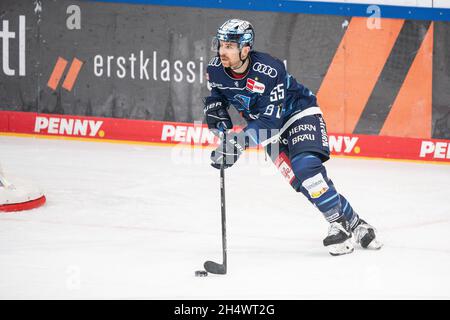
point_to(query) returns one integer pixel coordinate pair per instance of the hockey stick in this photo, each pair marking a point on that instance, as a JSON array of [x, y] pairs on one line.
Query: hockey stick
[[210, 266]]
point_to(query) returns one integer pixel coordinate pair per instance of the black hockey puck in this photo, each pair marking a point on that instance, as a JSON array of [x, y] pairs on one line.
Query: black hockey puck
[[201, 273]]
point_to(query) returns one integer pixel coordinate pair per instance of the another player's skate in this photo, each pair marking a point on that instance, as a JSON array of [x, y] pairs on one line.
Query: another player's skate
[[338, 241], [365, 236]]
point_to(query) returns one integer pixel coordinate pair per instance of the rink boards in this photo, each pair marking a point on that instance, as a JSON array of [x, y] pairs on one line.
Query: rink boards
[[197, 134], [137, 72]]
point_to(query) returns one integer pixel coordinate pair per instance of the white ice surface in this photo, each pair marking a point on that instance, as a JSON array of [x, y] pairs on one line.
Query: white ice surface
[[135, 222]]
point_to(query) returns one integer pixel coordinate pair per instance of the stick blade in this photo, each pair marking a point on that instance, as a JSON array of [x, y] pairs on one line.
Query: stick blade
[[215, 268]]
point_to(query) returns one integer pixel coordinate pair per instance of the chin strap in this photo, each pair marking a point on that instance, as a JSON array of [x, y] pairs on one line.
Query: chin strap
[[242, 61]]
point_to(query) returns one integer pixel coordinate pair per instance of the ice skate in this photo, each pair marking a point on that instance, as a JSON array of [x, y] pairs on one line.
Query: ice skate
[[365, 236], [338, 241]]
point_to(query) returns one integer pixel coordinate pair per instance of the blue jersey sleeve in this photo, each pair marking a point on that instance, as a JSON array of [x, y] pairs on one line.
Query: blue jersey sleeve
[[215, 93]]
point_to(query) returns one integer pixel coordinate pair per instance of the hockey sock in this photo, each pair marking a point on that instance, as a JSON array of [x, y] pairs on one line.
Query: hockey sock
[[320, 190], [350, 215]]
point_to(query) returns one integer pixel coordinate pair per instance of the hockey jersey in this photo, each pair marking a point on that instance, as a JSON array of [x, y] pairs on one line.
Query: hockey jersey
[[267, 96]]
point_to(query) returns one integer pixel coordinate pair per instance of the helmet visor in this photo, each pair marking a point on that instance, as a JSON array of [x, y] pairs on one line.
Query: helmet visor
[[215, 43]]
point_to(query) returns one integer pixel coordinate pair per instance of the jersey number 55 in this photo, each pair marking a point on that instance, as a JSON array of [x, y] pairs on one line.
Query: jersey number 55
[[277, 93]]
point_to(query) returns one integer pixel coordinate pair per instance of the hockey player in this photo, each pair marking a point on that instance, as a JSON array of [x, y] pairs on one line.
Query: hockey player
[[283, 116]]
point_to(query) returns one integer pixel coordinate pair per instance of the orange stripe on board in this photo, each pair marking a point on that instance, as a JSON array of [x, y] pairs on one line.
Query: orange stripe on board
[[57, 72], [410, 115], [72, 74], [354, 71]]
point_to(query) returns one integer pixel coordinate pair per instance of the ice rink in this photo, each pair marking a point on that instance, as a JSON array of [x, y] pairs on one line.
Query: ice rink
[[129, 221]]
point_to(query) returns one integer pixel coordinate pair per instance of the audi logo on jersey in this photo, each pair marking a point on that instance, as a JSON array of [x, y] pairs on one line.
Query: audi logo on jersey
[[265, 69]]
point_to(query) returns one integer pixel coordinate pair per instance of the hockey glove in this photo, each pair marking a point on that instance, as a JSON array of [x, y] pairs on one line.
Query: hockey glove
[[230, 151], [216, 115]]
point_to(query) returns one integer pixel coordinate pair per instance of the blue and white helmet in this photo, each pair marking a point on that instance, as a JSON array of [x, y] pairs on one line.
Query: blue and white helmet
[[235, 30]]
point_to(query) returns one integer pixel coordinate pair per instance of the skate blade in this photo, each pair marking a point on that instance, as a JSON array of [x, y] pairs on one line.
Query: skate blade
[[341, 248]]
